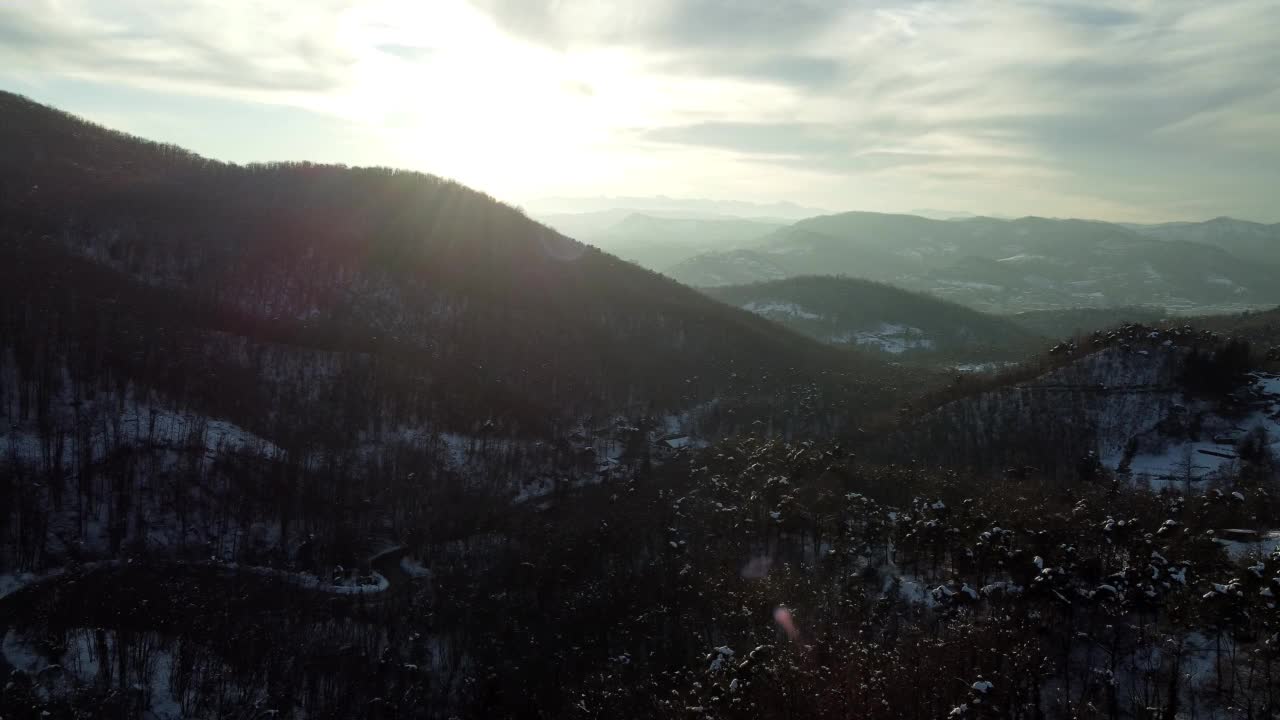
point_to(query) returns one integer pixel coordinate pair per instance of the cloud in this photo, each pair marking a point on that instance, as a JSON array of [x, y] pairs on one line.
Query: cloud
[[784, 69], [205, 45], [1137, 99], [1163, 104], [752, 39], [774, 139], [1093, 14], [661, 25]]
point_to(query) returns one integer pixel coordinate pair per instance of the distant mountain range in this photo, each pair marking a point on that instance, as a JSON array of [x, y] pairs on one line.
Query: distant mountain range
[[655, 240], [1250, 241], [671, 206], [1018, 265], [936, 214]]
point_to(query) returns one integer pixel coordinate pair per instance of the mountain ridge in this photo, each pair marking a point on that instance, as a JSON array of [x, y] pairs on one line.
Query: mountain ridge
[[864, 313], [1030, 263], [409, 256]]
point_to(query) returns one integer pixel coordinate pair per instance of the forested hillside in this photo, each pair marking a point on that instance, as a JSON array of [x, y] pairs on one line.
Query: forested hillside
[[485, 302], [1082, 321], [337, 330], [1093, 405], [1248, 240], [880, 317], [302, 441]]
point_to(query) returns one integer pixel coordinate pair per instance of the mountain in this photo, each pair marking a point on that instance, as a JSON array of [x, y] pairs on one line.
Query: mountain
[[1001, 265], [659, 241], [732, 267], [1247, 240], [284, 440], [936, 214], [502, 320], [296, 364], [850, 311]]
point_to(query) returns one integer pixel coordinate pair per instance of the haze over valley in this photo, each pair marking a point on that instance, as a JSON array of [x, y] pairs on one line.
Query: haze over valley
[[996, 265]]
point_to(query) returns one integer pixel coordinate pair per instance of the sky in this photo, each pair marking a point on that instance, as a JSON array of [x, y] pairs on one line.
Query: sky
[[1141, 111]]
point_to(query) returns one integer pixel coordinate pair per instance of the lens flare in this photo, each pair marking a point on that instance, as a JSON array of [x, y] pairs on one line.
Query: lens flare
[[783, 617]]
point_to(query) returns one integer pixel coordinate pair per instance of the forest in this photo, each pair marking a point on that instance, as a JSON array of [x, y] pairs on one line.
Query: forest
[[308, 441]]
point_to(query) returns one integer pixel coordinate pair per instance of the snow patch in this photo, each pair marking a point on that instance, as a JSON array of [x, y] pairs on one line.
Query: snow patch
[[1265, 544], [780, 309], [413, 568], [982, 367], [887, 337], [13, 582]]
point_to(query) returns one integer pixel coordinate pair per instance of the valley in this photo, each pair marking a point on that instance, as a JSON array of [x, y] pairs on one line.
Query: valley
[[883, 319], [1012, 266]]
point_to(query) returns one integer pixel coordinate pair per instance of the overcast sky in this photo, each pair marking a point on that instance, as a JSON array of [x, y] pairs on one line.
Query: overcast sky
[[1159, 110]]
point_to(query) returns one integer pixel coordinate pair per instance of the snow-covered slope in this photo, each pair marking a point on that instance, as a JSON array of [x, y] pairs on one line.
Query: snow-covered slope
[[1200, 440], [1129, 408]]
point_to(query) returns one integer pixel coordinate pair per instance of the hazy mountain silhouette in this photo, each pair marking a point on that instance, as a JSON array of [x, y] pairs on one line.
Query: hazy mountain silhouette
[[1013, 265]]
